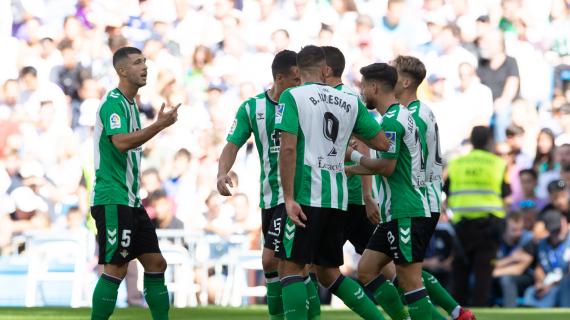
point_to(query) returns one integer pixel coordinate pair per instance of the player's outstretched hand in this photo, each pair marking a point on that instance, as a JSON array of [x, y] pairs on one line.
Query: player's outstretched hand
[[295, 213], [223, 182], [372, 212], [167, 118]]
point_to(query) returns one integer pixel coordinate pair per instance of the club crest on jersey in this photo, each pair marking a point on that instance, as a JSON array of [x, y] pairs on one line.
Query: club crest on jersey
[[115, 121], [233, 128], [390, 114], [391, 135], [279, 112]]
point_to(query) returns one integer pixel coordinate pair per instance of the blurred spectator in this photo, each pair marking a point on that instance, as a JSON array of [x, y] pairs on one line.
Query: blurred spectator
[[164, 211], [563, 156], [500, 73], [559, 198], [528, 181], [35, 93], [473, 98], [511, 268], [515, 139], [544, 159], [552, 275], [29, 212]]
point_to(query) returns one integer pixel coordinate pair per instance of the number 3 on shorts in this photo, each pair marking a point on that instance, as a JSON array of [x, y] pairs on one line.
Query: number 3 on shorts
[[126, 238]]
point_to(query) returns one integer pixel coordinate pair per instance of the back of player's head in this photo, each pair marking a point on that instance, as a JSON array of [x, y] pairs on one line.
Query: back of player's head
[[411, 67], [310, 57], [481, 137], [122, 54], [283, 62], [383, 73], [29, 70], [335, 60]]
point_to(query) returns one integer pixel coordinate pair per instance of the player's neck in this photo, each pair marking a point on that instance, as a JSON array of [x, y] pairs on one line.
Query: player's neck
[[408, 97], [315, 78], [128, 90], [274, 93], [334, 82], [384, 104]]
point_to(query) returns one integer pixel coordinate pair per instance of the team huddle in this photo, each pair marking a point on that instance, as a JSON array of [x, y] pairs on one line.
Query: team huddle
[[332, 172], [316, 193]]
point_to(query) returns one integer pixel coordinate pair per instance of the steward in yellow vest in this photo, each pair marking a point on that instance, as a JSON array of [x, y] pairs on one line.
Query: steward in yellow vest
[[476, 186]]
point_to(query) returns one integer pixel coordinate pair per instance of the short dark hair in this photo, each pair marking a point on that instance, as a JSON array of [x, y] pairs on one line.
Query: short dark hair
[[183, 152], [481, 137], [412, 67], [335, 60], [156, 195], [381, 72], [283, 62], [514, 130], [29, 70], [530, 172], [310, 57], [123, 53], [515, 216]]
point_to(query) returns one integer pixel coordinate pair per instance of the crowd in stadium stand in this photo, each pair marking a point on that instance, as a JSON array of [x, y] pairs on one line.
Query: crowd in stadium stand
[[501, 63]]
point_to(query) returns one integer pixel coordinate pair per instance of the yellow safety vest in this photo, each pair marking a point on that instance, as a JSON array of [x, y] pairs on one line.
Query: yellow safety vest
[[475, 186]]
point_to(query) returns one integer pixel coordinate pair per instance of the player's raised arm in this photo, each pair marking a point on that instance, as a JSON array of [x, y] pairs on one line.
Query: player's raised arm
[[127, 141]]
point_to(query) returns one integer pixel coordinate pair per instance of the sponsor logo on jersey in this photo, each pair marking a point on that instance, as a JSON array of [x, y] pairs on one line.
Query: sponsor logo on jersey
[[115, 121], [260, 116], [391, 135], [233, 128], [335, 167], [279, 113]]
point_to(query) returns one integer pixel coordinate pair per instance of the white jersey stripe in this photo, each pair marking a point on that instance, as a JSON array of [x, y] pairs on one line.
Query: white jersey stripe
[[260, 118]]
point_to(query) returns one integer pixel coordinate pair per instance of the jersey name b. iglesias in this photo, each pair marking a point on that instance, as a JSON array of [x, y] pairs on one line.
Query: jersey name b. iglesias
[[323, 119]]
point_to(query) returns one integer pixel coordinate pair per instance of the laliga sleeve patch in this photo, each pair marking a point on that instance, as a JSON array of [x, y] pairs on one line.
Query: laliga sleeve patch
[[115, 121], [391, 135], [279, 112]]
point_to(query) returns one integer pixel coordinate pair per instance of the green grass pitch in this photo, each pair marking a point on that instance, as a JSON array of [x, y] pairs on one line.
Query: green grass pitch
[[253, 313]]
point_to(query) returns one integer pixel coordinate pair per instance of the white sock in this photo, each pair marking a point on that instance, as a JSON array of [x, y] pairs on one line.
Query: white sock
[[455, 312]]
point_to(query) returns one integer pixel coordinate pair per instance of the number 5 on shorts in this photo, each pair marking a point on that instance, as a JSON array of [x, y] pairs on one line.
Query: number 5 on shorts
[[126, 238]]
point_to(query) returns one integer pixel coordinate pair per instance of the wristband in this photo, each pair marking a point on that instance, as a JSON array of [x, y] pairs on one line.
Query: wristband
[[356, 156]]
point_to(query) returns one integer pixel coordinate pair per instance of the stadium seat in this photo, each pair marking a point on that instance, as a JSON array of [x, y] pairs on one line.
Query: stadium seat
[[56, 258], [238, 287]]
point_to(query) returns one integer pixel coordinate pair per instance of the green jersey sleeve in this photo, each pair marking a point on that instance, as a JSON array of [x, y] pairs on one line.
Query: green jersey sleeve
[[113, 117], [395, 133], [365, 125], [241, 128], [287, 114]]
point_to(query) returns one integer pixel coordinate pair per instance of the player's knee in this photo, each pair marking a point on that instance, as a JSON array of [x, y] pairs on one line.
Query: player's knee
[[115, 270], [365, 273], [158, 264], [327, 276], [269, 263]]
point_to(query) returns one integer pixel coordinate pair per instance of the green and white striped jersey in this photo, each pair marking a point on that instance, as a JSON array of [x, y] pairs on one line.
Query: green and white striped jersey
[[323, 119], [354, 182], [429, 136], [117, 174], [402, 194], [257, 116]]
